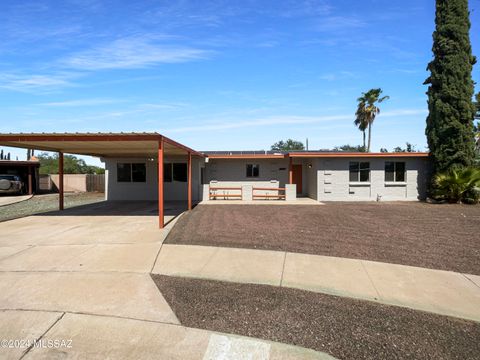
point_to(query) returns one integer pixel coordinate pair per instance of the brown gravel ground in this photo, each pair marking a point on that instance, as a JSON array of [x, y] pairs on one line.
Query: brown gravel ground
[[445, 237], [345, 328]]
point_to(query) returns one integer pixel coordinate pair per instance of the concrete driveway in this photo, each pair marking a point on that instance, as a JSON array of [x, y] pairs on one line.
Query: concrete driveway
[[82, 278], [7, 200]]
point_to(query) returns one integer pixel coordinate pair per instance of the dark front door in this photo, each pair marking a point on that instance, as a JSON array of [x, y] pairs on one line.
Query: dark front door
[[297, 177]]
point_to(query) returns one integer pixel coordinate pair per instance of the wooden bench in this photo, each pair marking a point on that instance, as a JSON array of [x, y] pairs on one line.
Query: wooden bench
[[268, 196], [213, 193]]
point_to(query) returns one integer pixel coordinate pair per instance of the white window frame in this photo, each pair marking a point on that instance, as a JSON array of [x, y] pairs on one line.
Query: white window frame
[[395, 181]]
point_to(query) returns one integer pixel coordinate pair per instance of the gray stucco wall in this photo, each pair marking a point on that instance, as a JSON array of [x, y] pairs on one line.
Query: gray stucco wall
[[326, 179], [273, 173], [225, 172], [149, 190], [334, 185]]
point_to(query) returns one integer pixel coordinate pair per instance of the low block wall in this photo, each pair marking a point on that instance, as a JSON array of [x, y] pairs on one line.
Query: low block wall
[[73, 182], [251, 190]]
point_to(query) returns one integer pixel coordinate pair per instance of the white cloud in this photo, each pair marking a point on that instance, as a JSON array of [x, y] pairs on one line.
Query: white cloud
[[302, 8], [268, 121], [285, 120], [35, 82], [132, 53], [339, 75], [80, 102], [339, 23], [163, 106], [404, 112]]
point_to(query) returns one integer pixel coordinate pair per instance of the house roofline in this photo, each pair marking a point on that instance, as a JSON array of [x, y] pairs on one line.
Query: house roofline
[[313, 154], [16, 139], [20, 162], [357, 154], [247, 156]]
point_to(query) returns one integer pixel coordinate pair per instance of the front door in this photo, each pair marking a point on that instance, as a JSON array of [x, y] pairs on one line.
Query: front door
[[297, 176]]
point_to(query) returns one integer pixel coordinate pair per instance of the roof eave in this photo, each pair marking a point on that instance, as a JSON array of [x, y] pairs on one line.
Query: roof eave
[[358, 154], [20, 140]]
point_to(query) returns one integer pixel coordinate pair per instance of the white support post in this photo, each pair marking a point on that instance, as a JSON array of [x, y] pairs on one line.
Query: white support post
[[290, 192], [247, 192]]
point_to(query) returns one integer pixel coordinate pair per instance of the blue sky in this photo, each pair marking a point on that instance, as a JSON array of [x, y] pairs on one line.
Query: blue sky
[[218, 75]]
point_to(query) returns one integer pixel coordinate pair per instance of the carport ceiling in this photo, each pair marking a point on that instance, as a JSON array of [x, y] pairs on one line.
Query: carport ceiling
[[99, 144]]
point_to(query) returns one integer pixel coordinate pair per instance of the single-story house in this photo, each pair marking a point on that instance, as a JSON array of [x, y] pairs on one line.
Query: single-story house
[[150, 166], [325, 176]]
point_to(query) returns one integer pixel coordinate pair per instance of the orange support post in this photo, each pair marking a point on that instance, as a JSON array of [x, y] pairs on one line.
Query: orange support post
[[30, 186], [290, 171], [161, 222], [60, 181], [189, 164]]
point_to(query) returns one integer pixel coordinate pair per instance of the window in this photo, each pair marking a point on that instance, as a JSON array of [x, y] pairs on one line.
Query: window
[[127, 172], [174, 172], [139, 172], [359, 171], [180, 172], [167, 172], [253, 170], [124, 172], [394, 171]]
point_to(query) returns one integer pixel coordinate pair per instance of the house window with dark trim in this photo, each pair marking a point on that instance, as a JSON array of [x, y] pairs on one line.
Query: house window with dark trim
[[167, 172], [124, 172], [395, 171], [139, 172], [253, 170], [131, 172], [174, 172], [179, 171], [359, 171]]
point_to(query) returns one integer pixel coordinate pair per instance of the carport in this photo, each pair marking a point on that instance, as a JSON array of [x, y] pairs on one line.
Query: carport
[[27, 170], [108, 145]]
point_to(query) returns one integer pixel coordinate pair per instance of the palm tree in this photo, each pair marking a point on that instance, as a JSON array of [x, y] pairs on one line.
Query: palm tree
[[367, 110], [361, 123]]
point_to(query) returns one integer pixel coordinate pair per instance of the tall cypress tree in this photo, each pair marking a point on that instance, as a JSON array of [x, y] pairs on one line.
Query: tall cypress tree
[[450, 121]]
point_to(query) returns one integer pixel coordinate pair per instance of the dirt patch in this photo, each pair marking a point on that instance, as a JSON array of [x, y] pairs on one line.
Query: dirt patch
[[48, 202], [433, 236], [344, 328]]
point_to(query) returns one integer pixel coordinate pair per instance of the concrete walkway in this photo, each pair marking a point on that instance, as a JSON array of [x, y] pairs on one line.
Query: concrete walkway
[[8, 200], [80, 336], [436, 291], [84, 275]]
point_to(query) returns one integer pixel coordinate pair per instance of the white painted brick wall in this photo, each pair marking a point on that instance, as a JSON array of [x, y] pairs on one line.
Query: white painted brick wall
[[334, 185]]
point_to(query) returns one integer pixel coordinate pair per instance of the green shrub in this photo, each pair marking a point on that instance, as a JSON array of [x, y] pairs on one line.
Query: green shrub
[[458, 185]]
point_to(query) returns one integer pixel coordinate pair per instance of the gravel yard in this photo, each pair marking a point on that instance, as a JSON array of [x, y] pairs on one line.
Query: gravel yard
[[46, 202], [345, 328], [445, 237]]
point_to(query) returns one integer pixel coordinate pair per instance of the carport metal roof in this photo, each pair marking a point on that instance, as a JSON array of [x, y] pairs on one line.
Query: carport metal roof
[[152, 145], [98, 144]]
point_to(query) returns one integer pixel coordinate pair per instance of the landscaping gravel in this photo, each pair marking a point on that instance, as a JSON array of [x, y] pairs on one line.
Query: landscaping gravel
[[46, 202], [445, 237], [345, 328]]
